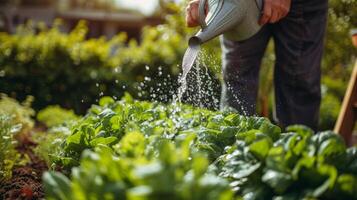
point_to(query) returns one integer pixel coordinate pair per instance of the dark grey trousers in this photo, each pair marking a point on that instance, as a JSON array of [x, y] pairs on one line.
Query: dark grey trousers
[[298, 40]]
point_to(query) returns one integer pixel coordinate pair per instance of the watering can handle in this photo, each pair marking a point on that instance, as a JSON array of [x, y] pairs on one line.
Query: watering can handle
[[202, 13]]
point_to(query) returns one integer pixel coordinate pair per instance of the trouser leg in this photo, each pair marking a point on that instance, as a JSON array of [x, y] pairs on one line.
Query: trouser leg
[[241, 63], [299, 46]]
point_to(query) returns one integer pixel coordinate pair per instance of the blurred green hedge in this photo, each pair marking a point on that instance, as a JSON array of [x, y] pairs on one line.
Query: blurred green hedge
[[54, 67], [67, 69]]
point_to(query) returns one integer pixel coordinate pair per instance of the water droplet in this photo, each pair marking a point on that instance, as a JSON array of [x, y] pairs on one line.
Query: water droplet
[[15, 129], [116, 81], [117, 70], [2, 73], [147, 68], [97, 84]]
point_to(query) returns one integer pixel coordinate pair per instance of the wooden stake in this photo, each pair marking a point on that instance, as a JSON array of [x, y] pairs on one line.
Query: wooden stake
[[348, 114]]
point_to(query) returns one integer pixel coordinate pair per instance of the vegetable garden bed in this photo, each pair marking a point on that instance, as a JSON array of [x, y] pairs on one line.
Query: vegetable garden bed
[[142, 150]]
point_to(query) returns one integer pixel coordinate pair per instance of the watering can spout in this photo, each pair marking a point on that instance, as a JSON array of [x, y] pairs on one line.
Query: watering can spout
[[235, 19], [203, 36], [195, 41]]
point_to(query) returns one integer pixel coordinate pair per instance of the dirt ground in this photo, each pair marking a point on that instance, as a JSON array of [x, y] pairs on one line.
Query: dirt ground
[[26, 180]]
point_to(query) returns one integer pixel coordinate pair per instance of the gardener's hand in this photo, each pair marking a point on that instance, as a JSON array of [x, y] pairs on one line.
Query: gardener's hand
[[274, 10], [192, 16]]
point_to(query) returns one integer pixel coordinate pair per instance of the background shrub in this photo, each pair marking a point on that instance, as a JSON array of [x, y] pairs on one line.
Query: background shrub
[[53, 116], [56, 68]]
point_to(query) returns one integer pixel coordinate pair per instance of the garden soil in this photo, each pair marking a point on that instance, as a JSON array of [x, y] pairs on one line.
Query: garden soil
[[25, 183]]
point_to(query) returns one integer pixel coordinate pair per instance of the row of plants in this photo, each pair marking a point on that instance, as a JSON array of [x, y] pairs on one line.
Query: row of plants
[[132, 149], [17, 124], [15, 119], [21, 168], [8, 154]]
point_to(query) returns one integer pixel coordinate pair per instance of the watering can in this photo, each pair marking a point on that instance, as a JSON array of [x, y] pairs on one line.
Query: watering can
[[237, 20]]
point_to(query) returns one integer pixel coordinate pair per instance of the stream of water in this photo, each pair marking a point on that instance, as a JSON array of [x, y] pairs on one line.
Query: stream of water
[[197, 86], [188, 61]]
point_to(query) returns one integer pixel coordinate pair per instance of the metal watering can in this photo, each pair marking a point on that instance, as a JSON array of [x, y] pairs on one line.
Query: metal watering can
[[237, 20]]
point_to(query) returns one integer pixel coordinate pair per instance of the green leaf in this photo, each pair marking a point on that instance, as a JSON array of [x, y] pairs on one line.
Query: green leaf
[[257, 191], [132, 145], [331, 173], [279, 181], [241, 170], [128, 98], [57, 186], [300, 129], [331, 146], [104, 141], [116, 122], [346, 186], [271, 130], [199, 165], [250, 136], [76, 142], [351, 158], [105, 101], [233, 119], [261, 148], [229, 132]]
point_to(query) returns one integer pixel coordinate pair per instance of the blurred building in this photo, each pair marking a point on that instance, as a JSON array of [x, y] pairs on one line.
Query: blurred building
[[104, 18]]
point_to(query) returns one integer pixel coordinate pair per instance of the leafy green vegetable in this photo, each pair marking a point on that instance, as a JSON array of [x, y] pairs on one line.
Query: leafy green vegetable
[[9, 157], [139, 150], [166, 176]]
